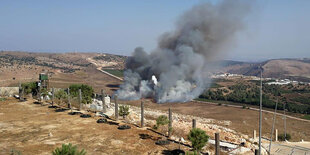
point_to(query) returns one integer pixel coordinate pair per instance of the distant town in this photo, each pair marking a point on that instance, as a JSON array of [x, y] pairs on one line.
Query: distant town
[[271, 81]]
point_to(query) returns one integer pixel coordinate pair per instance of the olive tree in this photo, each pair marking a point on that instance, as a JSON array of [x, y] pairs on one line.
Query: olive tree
[[161, 120], [124, 111], [199, 138]]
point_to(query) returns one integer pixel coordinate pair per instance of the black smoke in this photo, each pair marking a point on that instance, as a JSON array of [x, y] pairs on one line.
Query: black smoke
[[184, 57]]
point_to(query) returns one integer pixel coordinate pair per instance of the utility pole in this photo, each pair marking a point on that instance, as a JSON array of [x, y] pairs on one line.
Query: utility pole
[[274, 120], [260, 113]]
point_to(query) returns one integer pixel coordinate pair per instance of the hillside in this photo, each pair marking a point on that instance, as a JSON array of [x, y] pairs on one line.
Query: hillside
[[294, 69], [63, 68]]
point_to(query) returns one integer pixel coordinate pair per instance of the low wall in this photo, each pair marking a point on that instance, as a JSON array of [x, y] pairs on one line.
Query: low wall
[[9, 91]]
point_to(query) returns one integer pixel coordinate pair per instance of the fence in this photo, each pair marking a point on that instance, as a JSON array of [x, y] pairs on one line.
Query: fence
[[9, 91]]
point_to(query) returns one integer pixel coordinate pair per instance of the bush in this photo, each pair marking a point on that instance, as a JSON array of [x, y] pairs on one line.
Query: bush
[[68, 149], [124, 111], [15, 152], [30, 87], [161, 120], [61, 95], [243, 107], [191, 153], [199, 138], [281, 137]]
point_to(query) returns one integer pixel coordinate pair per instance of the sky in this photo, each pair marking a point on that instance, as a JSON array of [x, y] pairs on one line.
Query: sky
[[275, 28]]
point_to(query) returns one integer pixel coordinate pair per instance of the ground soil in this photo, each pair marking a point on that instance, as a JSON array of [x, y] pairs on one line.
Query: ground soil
[[243, 120], [26, 127]]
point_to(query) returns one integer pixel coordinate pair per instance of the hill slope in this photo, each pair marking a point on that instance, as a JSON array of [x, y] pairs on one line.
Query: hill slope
[[294, 69]]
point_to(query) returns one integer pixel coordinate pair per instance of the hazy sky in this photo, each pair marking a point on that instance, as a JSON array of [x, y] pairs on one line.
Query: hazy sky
[[276, 28]]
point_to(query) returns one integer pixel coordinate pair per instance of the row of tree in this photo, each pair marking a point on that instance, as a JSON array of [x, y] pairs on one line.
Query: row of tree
[[249, 94]]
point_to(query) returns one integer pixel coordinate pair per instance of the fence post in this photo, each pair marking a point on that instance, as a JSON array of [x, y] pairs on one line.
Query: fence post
[[217, 144], [20, 92], [69, 99], [53, 96], [170, 123], [194, 123], [276, 135], [103, 101], [80, 99], [254, 134], [39, 92], [116, 108], [256, 152], [142, 114]]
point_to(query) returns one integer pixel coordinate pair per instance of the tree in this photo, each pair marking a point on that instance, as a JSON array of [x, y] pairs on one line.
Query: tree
[[199, 138], [124, 111], [30, 87], [281, 137], [61, 95], [87, 92], [68, 149], [161, 120]]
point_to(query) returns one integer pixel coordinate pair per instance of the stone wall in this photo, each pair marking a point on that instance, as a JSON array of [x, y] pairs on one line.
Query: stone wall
[[9, 91]]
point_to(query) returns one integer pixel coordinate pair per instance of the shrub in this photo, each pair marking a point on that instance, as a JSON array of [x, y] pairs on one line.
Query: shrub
[[87, 92], [243, 107], [199, 138], [15, 152], [61, 95], [124, 111], [191, 153], [68, 149], [30, 87], [281, 137], [161, 120]]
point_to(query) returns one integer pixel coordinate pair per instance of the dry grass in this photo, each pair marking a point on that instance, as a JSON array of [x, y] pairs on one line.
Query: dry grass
[[26, 127]]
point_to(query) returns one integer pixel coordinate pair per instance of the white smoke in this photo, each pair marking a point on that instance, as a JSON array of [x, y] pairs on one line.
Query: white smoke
[[186, 56]]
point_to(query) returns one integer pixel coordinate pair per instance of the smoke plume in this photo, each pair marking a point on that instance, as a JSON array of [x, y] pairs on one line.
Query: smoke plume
[[185, 57]]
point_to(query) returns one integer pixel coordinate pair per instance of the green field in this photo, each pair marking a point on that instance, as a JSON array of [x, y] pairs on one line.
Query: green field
[[116, 72], [306, 117]]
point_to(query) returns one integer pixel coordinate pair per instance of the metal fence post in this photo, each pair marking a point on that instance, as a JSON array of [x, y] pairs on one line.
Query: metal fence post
[[116, 108], [80, 99], [69, 99], [103, 101], [53, 96], [142, 114], [217, 144], [194, 123], [170, 123]]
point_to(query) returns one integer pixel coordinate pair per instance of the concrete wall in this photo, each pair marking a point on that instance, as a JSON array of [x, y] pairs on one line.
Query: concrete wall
[[9, 91]]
